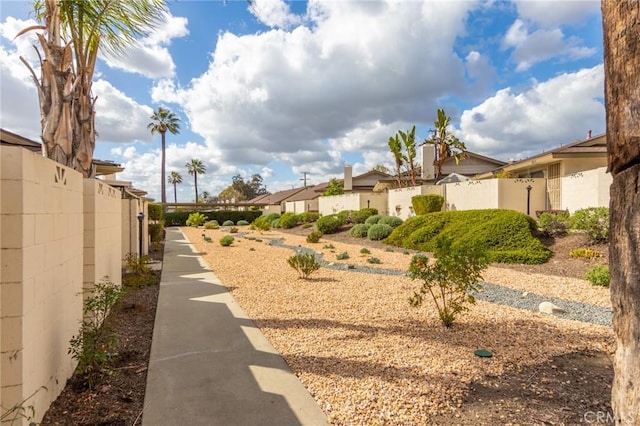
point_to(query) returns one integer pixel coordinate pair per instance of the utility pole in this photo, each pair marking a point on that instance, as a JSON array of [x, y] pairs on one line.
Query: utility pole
[[304, 178]]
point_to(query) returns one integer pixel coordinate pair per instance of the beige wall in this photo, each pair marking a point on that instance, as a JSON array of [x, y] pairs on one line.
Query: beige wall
[[586, 189], [102, 234], [41, 223], [355, 201], [130, 237], [401, 198], [574, 165]]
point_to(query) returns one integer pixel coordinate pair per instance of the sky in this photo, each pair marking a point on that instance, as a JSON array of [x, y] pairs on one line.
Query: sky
[[284, 88]]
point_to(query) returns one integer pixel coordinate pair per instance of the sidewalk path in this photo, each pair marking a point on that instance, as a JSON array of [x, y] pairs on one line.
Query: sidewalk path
[[210, 364]]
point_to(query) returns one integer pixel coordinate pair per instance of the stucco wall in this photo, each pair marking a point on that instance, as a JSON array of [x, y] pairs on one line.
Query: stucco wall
[[586, 189], [401, 197], [514, 194], [574, 165], [374, 200], [336, 203], [41, 222], [102, 234]]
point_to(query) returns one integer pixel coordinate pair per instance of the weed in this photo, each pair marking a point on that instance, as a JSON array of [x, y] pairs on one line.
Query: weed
[[314, 237], [374, 260], [305, 264], [342, 256]]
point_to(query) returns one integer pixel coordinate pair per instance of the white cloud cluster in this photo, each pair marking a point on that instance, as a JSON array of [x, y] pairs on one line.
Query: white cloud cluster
[[274, 13], [550, 13]]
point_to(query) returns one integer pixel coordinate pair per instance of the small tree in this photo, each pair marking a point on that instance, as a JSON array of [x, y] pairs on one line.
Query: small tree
[[335, 187], [409, 142], [174, 179], [446, 144], [396, 149], [450, 280]]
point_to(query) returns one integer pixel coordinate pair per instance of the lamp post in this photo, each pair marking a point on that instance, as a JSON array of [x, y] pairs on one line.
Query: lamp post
[[140, 219], [368, 201], [529, 188]]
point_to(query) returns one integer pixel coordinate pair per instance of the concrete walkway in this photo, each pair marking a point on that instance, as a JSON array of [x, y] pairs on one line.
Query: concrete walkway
[[210, 364]]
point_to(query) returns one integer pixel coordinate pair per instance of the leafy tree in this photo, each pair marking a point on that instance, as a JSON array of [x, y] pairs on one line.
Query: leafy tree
[[335, 187], [195, 168], [396, 149], [409, 142], [230, 193], [447, 145], [163, 121], [381, 168], [174, 179], [247, 190], [74, 31]]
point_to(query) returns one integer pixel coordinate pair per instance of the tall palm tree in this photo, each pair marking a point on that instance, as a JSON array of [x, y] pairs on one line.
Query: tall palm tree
[[163, 121], [447, 145], [622, 79], [73, 32], [396, 149], [409, 141], [174, 179], [195, 168]]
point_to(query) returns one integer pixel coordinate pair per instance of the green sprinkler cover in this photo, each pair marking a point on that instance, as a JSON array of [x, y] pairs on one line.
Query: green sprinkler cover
[[483, 353]]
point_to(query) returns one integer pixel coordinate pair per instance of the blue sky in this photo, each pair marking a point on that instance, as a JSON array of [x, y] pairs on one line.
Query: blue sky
[[281, 88]]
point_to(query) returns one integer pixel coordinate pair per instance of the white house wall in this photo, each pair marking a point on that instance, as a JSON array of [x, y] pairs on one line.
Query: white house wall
[[399, 203], [586, 189], [336, 203]]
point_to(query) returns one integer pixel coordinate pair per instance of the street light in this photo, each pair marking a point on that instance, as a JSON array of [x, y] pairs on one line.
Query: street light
[[140, 219], [529, 188]]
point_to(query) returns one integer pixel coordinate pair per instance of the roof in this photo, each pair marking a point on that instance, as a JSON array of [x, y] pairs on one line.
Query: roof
[[310, 192], [279, 197]]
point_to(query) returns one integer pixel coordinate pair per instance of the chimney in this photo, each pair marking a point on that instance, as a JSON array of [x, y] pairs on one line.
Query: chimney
[[588, 134], [348, 178], [428, 156]]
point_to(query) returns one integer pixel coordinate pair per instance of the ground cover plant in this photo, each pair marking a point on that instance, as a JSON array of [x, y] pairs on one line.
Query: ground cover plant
[[196, 219], [304, 263], [506, 236]]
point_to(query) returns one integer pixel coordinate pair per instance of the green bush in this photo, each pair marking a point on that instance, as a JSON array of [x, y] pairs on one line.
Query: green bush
[[507, 236], [262, 223], [584, 253], [212, 224], [346, 216], [308, 217], [372, 220], [359, 216], [374, 260], [233, 230], [196, 219], [228, 223], [365, 250], [593, 220], [424, 204], [155, 211], [330, 224], [242, 223], [392, 221], [226, 241], [379, 231], [554, 224], [304, 264], [342, 256], [359, 230], [289, 220], [180, 218], [307, 225], [598, 275], [272, 216], [156, 232], [275, 224], [314, 237]]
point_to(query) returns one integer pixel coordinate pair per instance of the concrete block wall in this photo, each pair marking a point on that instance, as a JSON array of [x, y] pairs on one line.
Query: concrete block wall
[[102, 234], [41, 225]]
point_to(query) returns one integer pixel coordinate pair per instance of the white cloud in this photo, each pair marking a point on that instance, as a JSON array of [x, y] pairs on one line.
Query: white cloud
[[553, 12], [541, 45], [548, 114], [273, 13]]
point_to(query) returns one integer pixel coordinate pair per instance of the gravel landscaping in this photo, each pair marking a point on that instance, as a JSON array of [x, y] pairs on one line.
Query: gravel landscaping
[[368, 357]]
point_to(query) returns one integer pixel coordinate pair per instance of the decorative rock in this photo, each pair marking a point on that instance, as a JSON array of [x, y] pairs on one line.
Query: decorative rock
[[525, 294], [550, 308]]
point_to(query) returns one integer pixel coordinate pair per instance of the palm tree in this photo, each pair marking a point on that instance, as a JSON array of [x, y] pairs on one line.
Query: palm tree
[[622, 79], [74, 31], [447, 145], [174, 179], [409, 141], [195, 168], [396, 149], [163, 121]]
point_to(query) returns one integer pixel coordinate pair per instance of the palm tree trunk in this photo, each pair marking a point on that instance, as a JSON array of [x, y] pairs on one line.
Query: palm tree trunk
[[195, 179], [163, 195], [621, 23], [175, 194]]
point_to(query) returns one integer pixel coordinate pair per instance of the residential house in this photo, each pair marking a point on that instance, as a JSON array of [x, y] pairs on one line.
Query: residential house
[[306, 200], [274, 203]]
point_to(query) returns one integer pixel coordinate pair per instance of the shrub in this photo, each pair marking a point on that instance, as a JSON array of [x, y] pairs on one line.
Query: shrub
[[307, 225], [289, 220], [228, 223], [392, 221], [156, 232], [330, 224], [262, 223], [584, 253], [196, 219], [314, 237], [304, 264], [554, 224], [598, 275], [379, 231], [242, 223], [275, 223], [95, 345], [359, 216], [308, 217], [155, 211], [346, 216], [272, 216], [212, 224], [233, 230], [226, 241], [180, 218], [329, 246], [506, 235], [365, 250], [449, 281], [374, 260], [593, 220], [372, 220], [342, 256], [424, 204], [359, 230]]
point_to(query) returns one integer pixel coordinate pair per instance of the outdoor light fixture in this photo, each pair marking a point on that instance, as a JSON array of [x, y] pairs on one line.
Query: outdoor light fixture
[[140, 219], [529, 188]]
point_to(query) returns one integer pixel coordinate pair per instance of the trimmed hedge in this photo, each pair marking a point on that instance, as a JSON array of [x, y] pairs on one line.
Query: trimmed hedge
[[308, 217], [180, 218], [289, 220], [361, 215], [372, 220], [330, 224], [155, 211], [359, 230], [156, 232], [507, 236], [424, 204], [392, 221], [379, 231]]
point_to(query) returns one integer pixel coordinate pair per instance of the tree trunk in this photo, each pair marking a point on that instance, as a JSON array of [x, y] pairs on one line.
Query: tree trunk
[[163, 195], [621, 23], [175, 194], [195, 180]]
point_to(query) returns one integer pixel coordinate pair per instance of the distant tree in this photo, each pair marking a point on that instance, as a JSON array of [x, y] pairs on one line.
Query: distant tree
[[447, 145], [257, 185], [195, 168], [174, 179], [409, 142], [396, 149], [335, 187], [247, 190], [381, 168], [163, 121], [229, 193]]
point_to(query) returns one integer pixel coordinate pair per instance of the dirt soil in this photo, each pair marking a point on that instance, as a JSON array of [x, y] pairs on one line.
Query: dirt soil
[[568, 389]]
